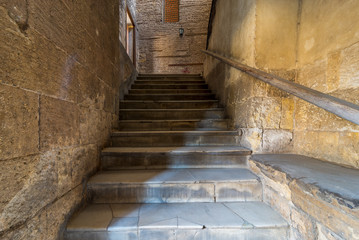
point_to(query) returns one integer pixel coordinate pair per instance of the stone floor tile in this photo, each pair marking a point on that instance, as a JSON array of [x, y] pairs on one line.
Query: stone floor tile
[[121, 224], [211, 175], [94, 217], [168, 234], [258, 214], [125, 210]]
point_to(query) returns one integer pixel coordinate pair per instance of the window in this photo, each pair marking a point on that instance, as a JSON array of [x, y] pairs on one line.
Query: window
[[171, 10], [131, 41]]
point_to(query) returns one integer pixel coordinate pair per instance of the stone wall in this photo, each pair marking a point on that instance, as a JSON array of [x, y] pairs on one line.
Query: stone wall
[[62, 73], [160, 45], [285, 37]]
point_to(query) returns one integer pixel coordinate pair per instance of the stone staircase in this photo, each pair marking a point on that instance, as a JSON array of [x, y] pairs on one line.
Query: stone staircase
[[174, 171]]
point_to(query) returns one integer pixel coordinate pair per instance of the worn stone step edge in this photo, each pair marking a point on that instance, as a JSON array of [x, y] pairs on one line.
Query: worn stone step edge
[[174, 157], [154, 133], [175, 185], [175, 150], [169, 91], [173, 120], [172, 110], [225, 221]]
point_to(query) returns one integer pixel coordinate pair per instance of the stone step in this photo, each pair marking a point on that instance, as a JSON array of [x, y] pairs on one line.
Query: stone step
[[169, 76], [153, 114], [188, 96], [163, 104], [169, 86], [176, 125], [175, 186], [173, 138], [178, 221], [170, 81], [167, 91], [174, 157]]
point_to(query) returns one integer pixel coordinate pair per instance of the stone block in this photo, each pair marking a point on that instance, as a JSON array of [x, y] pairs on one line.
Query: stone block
[[19, 116], [39, 190], [14, 176], [304, 224], [325, 234], [335, 146], [17, 11], [287, 114], [277, 140], [333, 66], [313, 41], [348, 72], [313, 118], [276, 33], [314, 76], [251, 138], [344, 225], [348, 149], [23, 54], [58, 213], [73, 165], [91, 92], [263, 113], [59, 123], [35, 229]]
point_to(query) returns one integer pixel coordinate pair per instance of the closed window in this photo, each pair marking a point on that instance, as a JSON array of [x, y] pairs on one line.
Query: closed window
[[171, 10]]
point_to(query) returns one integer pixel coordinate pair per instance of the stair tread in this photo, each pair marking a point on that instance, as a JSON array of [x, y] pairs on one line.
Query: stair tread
[[200, 149], [119, 133], [169, 101], [171, 109], [188, 175], [184, 216], [174, 120], [170, 94]]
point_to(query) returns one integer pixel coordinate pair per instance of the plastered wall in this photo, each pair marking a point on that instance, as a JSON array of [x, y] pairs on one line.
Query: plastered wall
[[314, 43], [63, 71], [161, 47]]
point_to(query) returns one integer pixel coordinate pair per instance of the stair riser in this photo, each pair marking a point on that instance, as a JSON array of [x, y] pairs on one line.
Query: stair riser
[[170, 97], [173, 140], [158, 115], [168, 105], [170, 82], [176, 192], [166, 91], [178, 125], [169, 86], [185, 234], [172, 160], [196, 78]]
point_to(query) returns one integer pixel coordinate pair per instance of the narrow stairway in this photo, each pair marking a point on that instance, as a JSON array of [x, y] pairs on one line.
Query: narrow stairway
[[174, 171]]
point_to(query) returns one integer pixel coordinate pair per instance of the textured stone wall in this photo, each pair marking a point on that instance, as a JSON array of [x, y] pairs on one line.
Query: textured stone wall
[[62, 73], [285, 37], [160, 44], [328, 61]]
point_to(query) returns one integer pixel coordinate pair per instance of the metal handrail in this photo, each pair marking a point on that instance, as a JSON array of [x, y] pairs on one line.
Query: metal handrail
[[339, 107]]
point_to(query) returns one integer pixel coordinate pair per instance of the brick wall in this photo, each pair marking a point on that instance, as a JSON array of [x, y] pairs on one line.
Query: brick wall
[[161, 49], [61, 80]]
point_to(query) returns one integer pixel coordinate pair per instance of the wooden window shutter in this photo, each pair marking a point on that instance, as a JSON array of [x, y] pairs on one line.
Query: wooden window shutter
[[171, 10]]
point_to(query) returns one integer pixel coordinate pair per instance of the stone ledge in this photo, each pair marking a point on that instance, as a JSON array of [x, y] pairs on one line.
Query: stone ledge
[[310, 193], [327, 178]]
